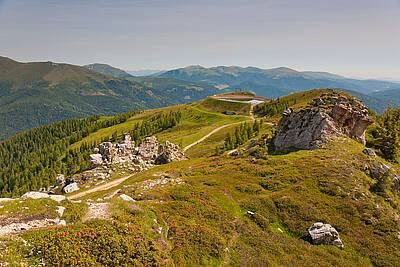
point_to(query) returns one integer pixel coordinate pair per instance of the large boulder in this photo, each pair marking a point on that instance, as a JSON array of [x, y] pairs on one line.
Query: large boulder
[[379, 170], [34, 195], [324, 234], [148, 148], [95, 160], [125, 197], [107, 150], [330, 115], [39, 195], [168, 153], [60, 180], [70, 188]]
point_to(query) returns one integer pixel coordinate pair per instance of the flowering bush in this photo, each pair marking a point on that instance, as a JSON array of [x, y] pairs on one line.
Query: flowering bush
[[96, 243]]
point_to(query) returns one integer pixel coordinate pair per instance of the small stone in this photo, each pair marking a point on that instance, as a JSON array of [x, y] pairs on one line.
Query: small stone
[[369, 152], [60, 210]]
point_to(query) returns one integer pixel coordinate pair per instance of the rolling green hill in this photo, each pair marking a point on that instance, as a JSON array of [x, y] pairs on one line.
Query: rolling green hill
[[251, 209], [33, 94]]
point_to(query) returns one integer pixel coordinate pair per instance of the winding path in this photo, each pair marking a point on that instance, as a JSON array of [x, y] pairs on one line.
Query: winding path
[[116, 182], [218, 129], [102, 187]]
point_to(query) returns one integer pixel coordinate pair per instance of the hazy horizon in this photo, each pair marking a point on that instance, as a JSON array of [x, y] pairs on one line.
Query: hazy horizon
[[357, 38]]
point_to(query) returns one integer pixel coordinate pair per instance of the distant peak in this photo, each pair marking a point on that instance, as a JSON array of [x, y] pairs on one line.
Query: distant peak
[[193, 67]]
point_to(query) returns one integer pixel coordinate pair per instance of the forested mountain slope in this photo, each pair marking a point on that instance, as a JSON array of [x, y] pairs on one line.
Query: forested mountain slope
[[33, 94], [108, 70]]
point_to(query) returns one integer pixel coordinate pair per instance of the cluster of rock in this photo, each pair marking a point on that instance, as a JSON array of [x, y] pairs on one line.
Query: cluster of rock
[[330, 115], [378, 170], [324, 234], [148, 153]]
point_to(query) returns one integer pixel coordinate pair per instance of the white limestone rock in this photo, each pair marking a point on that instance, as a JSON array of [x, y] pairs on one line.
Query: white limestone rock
[[324, 234], [70, 188], [95, 161], [125, 197]]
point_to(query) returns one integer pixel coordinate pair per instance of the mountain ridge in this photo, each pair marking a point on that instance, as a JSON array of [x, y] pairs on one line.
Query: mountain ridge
[[275, 82]]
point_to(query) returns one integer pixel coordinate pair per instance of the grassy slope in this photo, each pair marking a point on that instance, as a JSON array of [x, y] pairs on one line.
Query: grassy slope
[[204, 220], [221, 106], [196, 123], [218, 192]]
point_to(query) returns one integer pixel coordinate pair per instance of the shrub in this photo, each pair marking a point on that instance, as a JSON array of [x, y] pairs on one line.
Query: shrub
[[96, 243]]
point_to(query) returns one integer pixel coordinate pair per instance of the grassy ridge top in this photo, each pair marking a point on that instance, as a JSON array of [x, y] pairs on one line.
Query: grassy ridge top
[[218, 105]]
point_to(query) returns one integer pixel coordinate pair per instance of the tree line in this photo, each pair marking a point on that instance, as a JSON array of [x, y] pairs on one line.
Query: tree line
[[241, 135], [272, 108], [32, 159], [384, 135]]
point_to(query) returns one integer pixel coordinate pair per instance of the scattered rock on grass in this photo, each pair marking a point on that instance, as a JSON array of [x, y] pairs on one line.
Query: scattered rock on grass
[[324, 234]]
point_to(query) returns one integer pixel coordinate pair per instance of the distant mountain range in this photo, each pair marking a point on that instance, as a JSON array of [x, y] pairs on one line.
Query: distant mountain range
[[38, 93], [278, 82], [141, 73], [274, 82]]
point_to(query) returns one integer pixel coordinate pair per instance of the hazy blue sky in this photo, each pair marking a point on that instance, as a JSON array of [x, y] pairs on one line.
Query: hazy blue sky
[[351, 37]]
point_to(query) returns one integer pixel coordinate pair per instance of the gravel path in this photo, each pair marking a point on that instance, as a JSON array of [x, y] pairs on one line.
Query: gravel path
[[218, 129], [102, 187]]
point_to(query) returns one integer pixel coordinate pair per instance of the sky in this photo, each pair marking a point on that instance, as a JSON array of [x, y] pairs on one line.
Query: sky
[[355, 38]]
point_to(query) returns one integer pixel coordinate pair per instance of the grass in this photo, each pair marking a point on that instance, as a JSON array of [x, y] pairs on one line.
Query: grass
[[222, 106], [28, 207], [218, 191], [204, 221], [207, 213], [196, 123]]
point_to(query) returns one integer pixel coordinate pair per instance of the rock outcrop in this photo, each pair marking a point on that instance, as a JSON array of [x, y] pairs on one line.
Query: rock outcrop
[[148, 153], [70, 188], [95, 160], [60, 180], [324, 234], [330, 115], [168, 153]]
